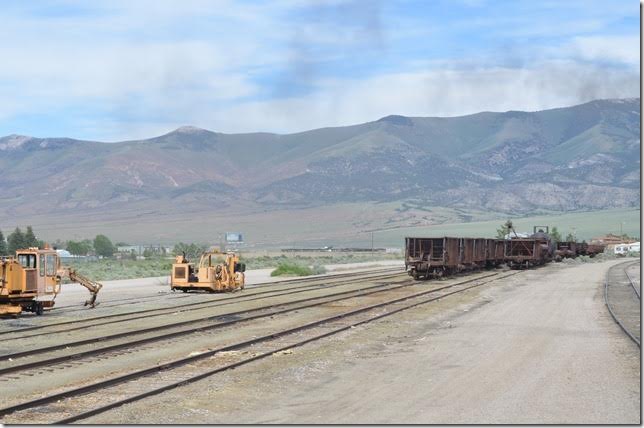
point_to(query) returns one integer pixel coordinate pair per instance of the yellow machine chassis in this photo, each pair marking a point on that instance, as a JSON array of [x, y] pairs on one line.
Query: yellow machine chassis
[[208, 275]]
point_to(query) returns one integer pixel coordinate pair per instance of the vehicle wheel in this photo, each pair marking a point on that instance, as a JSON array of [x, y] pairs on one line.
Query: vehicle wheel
[[185, 290], [39, 308]]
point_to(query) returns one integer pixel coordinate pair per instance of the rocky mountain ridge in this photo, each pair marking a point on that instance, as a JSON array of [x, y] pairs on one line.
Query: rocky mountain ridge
[[580, 157]]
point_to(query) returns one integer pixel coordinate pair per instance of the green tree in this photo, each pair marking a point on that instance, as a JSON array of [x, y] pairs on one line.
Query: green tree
[[79, 248], [132, 255], [147, 253], [103, 246], [505, 229], [192, 251], [555, 235], [4, 250], [30, 238], [570, 238], [16, 241]]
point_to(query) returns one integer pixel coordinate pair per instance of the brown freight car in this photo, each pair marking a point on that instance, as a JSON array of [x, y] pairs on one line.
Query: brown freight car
[[527, 252], [479, 254], [432, 257], [494, 252], [566, 249], [591, 250]]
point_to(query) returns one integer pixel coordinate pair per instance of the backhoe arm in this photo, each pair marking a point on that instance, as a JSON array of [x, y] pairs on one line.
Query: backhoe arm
[[93, 286]]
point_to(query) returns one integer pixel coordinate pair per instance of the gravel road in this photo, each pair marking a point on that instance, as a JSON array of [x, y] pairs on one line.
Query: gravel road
[[536, 348]]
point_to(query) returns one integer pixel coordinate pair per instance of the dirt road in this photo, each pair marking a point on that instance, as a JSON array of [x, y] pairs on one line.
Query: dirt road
[[537, 348]]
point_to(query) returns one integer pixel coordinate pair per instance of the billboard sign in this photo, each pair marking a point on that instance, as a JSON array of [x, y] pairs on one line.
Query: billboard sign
[[234, 237]]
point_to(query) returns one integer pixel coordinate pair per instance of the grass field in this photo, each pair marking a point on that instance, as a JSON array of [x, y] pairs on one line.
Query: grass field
[[585, 225], [347, 224]]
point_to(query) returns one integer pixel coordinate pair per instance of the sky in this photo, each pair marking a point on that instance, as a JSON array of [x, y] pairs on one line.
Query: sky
[[121, 70]]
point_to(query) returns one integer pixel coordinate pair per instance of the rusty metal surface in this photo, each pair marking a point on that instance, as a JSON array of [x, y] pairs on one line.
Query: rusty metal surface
[[467, 251]]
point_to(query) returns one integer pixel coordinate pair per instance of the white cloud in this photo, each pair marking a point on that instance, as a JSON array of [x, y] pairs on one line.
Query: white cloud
[[608, 48], [429, 93], [146, 67]]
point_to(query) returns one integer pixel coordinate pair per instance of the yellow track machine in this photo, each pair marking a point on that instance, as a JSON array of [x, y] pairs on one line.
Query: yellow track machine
[[210, 274], [34, 274]]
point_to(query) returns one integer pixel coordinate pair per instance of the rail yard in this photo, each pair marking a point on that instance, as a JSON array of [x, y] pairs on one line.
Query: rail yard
[[221, 358]]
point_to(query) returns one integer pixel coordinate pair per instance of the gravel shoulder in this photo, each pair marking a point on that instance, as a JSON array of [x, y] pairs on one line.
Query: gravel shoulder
[[536, 348]]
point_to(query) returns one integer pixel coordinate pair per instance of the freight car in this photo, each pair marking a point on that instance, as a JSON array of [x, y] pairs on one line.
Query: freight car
[[565, 249], [535, 250], [591, 250], [436, 257], [432, 257], [494, 252]]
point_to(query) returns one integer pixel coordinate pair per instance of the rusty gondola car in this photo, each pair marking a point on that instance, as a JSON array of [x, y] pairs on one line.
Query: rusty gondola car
[[591, 250], [436, 257], [494, 252], [565, 250], [432, 257], [479, 255], [535, 250]]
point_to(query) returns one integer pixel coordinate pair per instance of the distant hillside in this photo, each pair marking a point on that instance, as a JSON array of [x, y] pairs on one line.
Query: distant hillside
[[581, 157]]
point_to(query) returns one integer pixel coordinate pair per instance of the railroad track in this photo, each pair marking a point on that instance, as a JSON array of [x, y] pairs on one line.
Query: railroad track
[[200, 326], [62, 310], [622, 298], [97, 397], [221, 300]]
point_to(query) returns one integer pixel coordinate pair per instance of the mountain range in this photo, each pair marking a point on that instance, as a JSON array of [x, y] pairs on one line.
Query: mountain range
[[584, 157]]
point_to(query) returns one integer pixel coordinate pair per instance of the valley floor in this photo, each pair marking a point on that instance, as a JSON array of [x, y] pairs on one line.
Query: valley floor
[[535, 348]]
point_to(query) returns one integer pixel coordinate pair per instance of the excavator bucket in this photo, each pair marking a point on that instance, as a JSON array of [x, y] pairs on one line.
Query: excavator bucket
[[92, 301]]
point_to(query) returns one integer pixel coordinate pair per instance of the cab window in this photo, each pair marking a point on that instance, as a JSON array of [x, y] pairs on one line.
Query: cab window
[[27, 260], [42, 265], [51, 265]]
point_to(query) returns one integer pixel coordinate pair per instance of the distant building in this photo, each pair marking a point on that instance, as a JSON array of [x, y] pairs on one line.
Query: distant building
[[611, 239], [63, 253], [140, 249], [517, 235], [623, 248]]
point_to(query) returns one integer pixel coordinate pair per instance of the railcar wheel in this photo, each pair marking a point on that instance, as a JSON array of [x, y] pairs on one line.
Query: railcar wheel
[[39, 308]]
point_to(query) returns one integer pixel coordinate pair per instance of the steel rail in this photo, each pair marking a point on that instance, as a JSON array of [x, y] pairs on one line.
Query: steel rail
[[637, 293], [612, 313], [54, 360], [87, 322], [183, 361], [106, 304]]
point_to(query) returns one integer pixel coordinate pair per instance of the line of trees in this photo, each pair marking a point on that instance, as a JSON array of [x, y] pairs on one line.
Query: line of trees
[[17, 240]]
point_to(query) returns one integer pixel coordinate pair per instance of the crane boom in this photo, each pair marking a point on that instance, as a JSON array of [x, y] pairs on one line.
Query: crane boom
[[93, 286]]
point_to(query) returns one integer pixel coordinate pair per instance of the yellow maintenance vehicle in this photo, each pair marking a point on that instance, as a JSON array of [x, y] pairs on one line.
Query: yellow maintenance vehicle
[[31, 280], [211, 274]]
